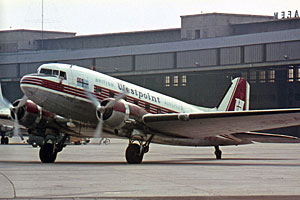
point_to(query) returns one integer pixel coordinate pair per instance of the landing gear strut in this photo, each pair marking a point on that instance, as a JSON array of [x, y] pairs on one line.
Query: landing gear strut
[[135, 152], [218, 152]]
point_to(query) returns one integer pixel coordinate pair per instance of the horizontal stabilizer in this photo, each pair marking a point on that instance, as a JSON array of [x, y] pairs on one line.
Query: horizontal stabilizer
[[266, 137]]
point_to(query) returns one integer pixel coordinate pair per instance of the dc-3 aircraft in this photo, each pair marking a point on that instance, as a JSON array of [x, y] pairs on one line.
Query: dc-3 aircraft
[[63, 100]]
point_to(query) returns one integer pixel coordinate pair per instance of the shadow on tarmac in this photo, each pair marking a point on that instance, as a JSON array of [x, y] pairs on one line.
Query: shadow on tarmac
[[183, 162]]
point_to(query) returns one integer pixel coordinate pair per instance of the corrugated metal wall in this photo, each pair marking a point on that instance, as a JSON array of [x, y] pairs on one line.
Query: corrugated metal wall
[[114, 64], [254, 53], [231, 55], [87, 63], [154, 61], [9, 71], [197, 58], [279, 51], [27, 68]]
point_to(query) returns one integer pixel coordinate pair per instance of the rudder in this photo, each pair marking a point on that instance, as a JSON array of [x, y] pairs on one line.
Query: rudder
[[236, 97]]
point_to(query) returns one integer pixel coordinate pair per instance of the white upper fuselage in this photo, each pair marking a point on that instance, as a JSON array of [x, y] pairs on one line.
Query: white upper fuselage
[[39, 87]]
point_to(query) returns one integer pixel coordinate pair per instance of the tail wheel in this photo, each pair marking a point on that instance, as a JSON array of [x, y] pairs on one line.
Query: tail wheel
[[47, 153], [218, 152], [133, 154]]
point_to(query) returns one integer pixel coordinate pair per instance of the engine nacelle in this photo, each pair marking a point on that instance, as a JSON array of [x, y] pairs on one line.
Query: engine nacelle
[[121, 112], [31, 115]]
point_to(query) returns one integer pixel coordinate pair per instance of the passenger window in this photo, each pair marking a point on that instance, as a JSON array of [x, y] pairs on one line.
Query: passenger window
[[63, 75], [98, 90], [147, 106], [111, 94]]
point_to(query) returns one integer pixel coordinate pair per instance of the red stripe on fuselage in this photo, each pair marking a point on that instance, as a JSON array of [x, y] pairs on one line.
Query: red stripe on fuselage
[[81, 93]]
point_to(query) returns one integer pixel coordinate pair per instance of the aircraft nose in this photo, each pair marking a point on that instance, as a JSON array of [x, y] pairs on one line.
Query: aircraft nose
[[28, 85]]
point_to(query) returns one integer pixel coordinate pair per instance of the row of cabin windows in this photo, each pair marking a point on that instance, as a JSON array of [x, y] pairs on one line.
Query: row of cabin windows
[[60, 74]]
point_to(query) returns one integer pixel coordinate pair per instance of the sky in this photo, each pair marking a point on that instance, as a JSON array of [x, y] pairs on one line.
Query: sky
[[110, 16]]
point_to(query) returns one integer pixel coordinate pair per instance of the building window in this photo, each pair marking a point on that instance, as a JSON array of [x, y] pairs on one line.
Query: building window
[[298, 74], [262, 76], [167, 81], [175, 81], [291, 74], [271, 76], [197, 34], [244, 75], [183, 80], [252, 76]]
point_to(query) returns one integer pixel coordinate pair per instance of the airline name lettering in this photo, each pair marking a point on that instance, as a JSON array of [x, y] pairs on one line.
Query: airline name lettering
[[137, 93]]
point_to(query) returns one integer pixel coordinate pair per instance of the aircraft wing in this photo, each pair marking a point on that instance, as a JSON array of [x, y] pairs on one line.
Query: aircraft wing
[[196, 125]]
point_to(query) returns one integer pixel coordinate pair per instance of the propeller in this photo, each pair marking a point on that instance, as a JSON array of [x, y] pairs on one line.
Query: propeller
[[102, 109], [17, 110], [14, 110]]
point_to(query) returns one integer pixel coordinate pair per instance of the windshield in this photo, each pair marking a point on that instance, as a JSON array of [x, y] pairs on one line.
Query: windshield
[[46, 71], [60, 74]]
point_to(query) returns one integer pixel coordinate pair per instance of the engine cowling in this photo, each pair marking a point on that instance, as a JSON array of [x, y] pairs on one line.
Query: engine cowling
[[121, 112], [31, 115]]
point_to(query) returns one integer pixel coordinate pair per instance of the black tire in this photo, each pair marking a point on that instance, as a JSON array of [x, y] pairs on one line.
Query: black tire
[[2, 140], [6, 140], [46, 153], [133, 154]]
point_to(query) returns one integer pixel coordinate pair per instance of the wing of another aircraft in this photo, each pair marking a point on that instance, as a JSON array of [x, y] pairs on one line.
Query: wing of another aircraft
[[196, 125]]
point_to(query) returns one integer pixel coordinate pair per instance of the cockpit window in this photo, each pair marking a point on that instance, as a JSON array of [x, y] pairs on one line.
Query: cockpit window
[[55, 72], [63, 75], [46, 71]]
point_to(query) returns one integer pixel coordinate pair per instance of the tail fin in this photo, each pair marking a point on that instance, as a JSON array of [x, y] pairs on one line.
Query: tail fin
[[237, 96]]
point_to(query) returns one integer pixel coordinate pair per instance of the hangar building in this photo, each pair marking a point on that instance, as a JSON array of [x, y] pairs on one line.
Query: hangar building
[[194, 63]]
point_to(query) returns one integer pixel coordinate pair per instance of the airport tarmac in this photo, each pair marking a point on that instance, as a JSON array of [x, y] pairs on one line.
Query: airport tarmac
[[265, 171]]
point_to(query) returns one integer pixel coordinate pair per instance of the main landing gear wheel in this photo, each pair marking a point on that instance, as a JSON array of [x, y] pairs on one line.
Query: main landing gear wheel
[[48, 153], [134, 154], [4, 140], [218, 152]]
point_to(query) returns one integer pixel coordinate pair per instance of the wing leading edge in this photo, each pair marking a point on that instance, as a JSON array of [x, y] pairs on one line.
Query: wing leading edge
[[196, 125]]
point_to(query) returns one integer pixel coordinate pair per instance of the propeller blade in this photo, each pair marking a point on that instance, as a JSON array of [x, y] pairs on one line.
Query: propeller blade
[[22, 102], [17, 131], [92, 98], [98, 131], [4, 103], [111, 103]]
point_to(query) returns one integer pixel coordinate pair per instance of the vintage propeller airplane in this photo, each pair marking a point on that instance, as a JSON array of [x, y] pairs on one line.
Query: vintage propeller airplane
[[63, 100]]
